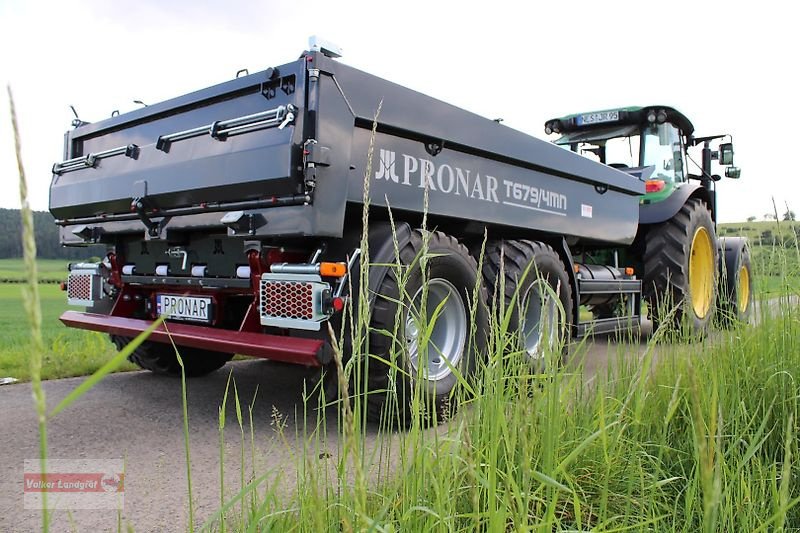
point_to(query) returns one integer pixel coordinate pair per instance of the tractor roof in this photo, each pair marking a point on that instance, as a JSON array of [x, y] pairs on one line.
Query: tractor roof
[[619, 117]]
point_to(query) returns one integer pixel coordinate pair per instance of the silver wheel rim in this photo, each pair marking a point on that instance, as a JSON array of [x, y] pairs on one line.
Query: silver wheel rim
[[448, 336], [539, 320]]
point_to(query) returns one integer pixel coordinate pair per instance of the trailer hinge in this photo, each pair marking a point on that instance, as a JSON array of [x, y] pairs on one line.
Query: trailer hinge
[[315, 155], [139, 206], [89, 234]]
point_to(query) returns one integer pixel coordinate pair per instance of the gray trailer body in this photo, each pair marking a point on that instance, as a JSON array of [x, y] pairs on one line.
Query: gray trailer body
[[290, 146]]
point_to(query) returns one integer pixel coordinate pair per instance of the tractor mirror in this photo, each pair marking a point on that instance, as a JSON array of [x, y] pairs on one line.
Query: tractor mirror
[[726, 154], [733, 172]]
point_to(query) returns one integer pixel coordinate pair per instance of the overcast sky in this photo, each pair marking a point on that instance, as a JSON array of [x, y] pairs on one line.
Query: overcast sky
[[729, 69]]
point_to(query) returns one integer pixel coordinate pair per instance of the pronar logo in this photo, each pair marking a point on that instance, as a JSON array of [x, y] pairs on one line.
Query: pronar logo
[[418, 172], [412, 171]]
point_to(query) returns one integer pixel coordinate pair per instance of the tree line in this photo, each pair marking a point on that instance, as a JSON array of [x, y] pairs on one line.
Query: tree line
[[46, 233]]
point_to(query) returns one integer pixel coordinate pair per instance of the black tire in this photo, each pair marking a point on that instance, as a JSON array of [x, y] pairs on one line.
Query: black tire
[[541, 262], [669, 248], [449, 261], [160, 358], [736, 288]]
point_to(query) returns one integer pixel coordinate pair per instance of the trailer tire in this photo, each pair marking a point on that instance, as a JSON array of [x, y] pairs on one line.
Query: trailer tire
[[450, 281], [735, 292], [160, 358], [680, 268], [542, 264]]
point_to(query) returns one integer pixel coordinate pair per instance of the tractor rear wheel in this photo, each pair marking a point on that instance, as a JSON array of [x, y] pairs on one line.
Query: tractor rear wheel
[[160, 358], [680, 268]]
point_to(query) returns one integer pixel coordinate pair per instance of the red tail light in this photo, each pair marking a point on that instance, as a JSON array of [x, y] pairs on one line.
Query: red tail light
[[654, 186]]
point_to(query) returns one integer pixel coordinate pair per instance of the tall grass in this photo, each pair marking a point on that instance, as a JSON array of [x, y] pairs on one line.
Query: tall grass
[[700, 441], [30, 298], [31, 304]]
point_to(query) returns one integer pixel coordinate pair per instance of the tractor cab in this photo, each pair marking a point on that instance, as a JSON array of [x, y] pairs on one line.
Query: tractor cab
[[649, 143]]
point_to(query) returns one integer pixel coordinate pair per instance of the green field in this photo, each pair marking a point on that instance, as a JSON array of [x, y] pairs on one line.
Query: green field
[[69, 352], [50, 270]]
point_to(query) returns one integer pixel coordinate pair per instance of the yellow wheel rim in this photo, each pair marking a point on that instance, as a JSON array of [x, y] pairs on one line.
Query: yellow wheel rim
[[701, 272], [743, 295]]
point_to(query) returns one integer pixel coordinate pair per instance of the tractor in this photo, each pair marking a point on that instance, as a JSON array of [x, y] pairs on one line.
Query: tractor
[[688, 272]]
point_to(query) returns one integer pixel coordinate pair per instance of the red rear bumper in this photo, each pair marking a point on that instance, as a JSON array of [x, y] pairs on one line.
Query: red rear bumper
[[311, 352]]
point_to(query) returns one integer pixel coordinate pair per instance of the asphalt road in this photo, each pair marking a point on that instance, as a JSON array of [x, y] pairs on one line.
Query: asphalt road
[[137, 416]]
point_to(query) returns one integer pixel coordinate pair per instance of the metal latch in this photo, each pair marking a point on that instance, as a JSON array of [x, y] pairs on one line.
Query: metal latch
[[289, 118], [177, 252]]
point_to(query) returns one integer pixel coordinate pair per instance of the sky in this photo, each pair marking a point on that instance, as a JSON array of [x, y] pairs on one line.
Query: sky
[[730, 69]]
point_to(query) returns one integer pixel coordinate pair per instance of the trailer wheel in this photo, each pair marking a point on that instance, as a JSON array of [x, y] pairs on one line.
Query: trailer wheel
[[680, 267], [160, 358], [407, 358], [735, 298], [533, 306]]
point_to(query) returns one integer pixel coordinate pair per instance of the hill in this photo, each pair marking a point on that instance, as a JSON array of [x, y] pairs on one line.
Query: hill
[[764, 233]]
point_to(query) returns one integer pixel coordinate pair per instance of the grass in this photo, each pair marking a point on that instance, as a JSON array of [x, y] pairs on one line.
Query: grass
[[67, 352], [701, 437], [775, 257], [50, 270]]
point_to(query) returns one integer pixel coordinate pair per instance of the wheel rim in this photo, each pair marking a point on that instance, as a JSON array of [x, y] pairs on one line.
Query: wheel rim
[[448, 335], [538, 305], [701, 272], [743, 296]]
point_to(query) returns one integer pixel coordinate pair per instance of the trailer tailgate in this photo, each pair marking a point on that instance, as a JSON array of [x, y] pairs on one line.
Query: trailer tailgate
[[229, 142]]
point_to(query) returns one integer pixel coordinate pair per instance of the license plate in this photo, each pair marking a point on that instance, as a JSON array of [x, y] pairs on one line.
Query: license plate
[[598, 118], [194, 308]]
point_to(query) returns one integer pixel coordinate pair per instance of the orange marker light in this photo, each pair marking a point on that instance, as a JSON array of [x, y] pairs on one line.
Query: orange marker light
[[332, 270], [629, 271], [654, 186]]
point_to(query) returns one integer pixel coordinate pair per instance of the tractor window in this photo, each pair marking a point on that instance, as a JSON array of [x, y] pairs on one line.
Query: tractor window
[[619, 152], [663, 149], [623, 152]]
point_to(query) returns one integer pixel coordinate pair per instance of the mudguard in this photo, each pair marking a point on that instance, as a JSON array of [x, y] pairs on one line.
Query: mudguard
[[665, 210]]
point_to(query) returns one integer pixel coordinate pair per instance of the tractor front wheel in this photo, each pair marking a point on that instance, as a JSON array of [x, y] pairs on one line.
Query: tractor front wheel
[[736, 293]]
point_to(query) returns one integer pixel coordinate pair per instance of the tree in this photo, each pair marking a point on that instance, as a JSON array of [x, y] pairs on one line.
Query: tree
[[789, 215], [751, 219]]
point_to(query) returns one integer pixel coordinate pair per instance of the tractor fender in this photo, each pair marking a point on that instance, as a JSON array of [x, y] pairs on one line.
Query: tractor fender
[[731, 245], [666, 209], [730, 249]]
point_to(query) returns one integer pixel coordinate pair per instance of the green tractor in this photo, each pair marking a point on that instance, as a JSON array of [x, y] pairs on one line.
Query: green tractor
[[686, 270]]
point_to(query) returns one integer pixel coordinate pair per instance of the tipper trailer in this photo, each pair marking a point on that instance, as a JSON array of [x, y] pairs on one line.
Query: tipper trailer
[[236, 211]]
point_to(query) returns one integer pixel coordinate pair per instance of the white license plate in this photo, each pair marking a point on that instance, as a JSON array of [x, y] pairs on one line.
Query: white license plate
[[598, 118], [195, 308]]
